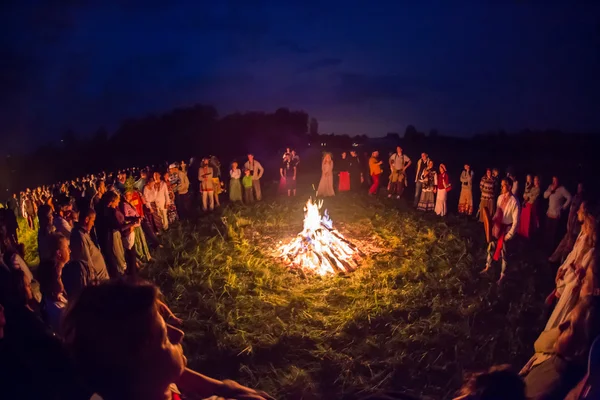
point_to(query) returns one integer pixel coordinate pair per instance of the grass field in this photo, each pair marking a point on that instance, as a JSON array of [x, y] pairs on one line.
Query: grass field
[[414, 317]]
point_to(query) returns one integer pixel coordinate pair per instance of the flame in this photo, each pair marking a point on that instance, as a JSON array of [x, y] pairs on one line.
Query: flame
[[319, 248]]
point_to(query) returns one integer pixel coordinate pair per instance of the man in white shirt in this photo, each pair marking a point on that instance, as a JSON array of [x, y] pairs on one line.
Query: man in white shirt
[[399, 163], [559, 199], [156, 194], [505, 223], [257, 171]]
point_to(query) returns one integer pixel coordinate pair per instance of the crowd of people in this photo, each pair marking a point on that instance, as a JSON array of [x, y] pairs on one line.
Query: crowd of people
[[83, 324]]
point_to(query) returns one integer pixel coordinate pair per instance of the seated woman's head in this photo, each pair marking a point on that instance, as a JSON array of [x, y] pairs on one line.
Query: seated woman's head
[[120, 342], [580, 329]]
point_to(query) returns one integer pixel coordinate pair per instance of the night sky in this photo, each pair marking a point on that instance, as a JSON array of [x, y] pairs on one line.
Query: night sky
[[359, 67]]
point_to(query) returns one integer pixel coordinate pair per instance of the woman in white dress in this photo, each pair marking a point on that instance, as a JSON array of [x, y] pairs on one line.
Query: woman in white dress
[[325, 188], [571, 273]]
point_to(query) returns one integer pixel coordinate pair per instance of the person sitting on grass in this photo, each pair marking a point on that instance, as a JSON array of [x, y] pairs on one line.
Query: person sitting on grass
[[498, 383], [552, 377], [123, 348]]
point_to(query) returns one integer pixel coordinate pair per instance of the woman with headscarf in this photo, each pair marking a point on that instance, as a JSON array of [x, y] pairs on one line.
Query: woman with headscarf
[[429, 181], [235, 185], [465, 201], [325, 188]]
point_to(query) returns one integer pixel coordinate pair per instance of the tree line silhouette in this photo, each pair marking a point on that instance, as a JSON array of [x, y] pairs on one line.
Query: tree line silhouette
[[198, 130]]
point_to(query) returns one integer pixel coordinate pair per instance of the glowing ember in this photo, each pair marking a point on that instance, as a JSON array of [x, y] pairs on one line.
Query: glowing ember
[[319, 248]]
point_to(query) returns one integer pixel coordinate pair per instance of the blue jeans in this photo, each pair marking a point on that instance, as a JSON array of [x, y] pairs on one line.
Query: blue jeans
[[418, 188]]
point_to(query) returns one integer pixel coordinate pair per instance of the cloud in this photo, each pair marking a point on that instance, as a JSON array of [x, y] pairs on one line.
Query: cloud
[[322, 63]]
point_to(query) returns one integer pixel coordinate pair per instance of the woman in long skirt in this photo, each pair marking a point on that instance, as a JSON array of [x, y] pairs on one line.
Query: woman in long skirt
[[326, 183], [217, 189], [343, 167], [465, 201], [429, 181], [528, 220], [443, 187], [235, 186], [171, 208]]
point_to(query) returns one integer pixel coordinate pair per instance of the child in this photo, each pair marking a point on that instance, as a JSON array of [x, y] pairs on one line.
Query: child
[[247, 184]]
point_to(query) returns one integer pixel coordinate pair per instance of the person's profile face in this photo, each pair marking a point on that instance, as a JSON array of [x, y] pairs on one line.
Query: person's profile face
[[430, 164], [156, 177], [166, 358], [90, 221], [250, 157], [504, 186]]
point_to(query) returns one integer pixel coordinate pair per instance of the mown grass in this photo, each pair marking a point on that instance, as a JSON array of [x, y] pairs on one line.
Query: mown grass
[[414, 317]]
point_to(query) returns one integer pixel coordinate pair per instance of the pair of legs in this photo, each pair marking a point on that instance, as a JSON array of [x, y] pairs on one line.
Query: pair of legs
[[248, 195], [375, 186], [492, 246], [208, 200], [256, 187], [418, 189]]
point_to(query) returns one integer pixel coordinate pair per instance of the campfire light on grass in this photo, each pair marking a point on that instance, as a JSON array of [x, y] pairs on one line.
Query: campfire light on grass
[[319, 248]]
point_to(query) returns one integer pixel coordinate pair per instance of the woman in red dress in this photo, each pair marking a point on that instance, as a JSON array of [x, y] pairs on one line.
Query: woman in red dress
[[529, 219]]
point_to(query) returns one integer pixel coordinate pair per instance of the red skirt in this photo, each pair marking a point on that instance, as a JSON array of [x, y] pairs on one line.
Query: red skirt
[[528, 221], [344, 184]]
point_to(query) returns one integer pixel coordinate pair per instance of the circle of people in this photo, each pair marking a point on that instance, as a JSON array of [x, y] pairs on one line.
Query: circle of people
[[95, 228]]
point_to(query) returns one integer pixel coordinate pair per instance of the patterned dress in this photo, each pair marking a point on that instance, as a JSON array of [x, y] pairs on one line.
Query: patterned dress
[[171, 208], [465, 202], [429, 182]]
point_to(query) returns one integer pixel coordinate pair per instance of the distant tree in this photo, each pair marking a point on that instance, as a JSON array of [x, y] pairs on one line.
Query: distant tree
[[314, 126], [434, 133], [410, 131], [393, 136]]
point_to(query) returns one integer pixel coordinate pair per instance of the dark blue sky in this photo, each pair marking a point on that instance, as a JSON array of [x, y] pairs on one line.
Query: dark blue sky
[[357, 66]]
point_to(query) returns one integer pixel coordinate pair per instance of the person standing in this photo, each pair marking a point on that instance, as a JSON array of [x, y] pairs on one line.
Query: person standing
[[421, 166], [343, 168], [505, 223], [356, 172], [83, 247], [559, 199], [399, 163], [215, 164], [172, 215], [256, 171], [429, 182], [181, 186], [287, 171], [443, 187], [325, 188], [247, 184], [375, 172], [465, 201], [235, 186], [486, 186], [205, 176], [528, 211], [157, 197]]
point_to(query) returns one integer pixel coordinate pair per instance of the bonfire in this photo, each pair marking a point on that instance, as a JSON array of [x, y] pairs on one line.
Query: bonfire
[[319, 248]]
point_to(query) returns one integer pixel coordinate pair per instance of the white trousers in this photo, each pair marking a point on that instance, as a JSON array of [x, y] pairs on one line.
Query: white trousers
[[208, 199], [163, 216], [440, 202]]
